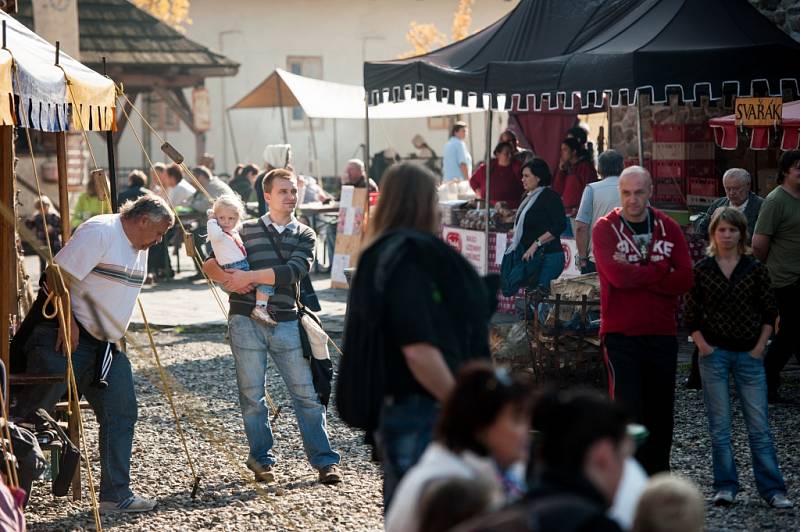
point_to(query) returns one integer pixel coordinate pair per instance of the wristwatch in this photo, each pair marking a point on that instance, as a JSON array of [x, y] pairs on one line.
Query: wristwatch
[[579, 259], [538, 243]]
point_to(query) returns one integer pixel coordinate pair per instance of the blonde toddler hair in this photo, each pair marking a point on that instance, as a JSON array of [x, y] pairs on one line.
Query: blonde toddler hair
[[669, 503], [229, 201]]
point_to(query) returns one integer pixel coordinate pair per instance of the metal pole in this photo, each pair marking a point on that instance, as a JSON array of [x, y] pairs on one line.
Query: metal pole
[[112, 163], [487, 162], [8, 248], [280, 107], [639, 132], [366, 149], [313, 146], [335, 149], [233, 137]]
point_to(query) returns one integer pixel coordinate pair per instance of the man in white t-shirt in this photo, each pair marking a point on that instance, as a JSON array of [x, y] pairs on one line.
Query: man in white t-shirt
[[104, 265]]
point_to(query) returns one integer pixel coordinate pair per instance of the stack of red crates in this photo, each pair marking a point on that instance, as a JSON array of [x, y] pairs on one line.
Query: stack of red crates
[[683, 164]]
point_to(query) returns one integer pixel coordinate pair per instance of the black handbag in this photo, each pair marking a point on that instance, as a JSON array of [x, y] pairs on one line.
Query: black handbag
[[70, 456]]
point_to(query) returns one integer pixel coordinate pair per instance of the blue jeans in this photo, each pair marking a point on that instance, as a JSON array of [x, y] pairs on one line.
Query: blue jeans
[[751, 385], [552, 267], [245, 267], [405, 429], [250, 343], [114, 406]]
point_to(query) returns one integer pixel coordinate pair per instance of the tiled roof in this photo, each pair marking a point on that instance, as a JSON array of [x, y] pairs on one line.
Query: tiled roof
[[132, 38]]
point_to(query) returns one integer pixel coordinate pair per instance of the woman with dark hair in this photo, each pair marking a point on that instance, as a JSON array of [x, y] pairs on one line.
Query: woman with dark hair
[[482, 434], [417, 312], [731, 311], [535, 256], [573, 174], [504, 178]]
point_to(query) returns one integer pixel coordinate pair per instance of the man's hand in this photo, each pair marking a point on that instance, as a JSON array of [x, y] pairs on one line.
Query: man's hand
[[74, 336], [237, 281]]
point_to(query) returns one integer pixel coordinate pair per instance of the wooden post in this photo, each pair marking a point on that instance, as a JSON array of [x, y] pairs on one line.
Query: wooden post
[[63, 195], [8, 247]]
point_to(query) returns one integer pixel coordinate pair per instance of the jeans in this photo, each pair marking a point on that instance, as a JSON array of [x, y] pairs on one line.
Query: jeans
[[404, 431], [751, 385], [552, 267], [644, 370], [114, 406], [243, 265], [787, 340], [250, 343]]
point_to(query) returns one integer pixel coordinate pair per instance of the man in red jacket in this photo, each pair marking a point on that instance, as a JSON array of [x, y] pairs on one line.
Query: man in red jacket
[[644, 266]]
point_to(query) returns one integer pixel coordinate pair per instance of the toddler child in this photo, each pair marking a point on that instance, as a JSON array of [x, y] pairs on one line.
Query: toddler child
[[223, 222]]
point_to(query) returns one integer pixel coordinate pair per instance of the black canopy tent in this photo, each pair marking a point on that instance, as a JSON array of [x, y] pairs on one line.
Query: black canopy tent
[[559, 51]]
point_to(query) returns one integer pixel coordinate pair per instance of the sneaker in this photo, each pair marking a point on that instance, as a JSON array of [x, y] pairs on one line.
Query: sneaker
[[780, 501], [262, 472], [132, 504], [723, 498], [330, 474], [261, 314]]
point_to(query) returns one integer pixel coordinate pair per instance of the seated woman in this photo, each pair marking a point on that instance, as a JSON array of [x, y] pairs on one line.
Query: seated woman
[[573, 174], [483, 434], [535, 256], [89, 204], [504, 178]]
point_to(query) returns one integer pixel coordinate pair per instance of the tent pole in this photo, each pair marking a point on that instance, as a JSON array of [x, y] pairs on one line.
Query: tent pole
[[487, 162], [313, 146], [112, 164], [8, 248], [639, 132], [335, 150], [366, 152], [63, 195], [233, 137], [280, 110]]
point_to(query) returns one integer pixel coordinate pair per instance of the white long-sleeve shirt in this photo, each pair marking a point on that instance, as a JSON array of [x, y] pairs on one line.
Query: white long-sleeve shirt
[[227, 246]]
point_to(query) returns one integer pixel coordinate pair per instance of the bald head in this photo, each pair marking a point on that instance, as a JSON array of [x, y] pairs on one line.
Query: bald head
[[635, 189]]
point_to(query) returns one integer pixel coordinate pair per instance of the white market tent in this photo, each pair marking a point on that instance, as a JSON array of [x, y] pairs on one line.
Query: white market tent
[[326, 99]]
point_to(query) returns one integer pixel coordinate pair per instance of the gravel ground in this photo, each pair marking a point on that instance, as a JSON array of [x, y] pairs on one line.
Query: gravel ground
[[205, 388], [202, 371]]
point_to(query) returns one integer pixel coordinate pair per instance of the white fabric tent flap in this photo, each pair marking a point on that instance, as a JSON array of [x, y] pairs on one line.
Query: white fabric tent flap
[[41, 85], [326, 99]]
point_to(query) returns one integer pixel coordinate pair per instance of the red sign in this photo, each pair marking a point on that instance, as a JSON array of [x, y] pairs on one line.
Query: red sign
[[454, 239]]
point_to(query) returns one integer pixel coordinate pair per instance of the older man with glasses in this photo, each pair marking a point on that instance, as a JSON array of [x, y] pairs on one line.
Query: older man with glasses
[[736, 182]]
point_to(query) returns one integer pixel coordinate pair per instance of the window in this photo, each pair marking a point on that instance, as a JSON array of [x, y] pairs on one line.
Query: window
[[162, 117], [309, 66]]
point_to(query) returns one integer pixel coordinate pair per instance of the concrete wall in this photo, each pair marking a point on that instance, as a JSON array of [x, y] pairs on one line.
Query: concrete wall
[[261, 34]]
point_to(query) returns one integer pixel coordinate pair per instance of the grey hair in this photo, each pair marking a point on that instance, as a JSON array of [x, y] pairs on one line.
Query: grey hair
[[610, 163], [739, 173], [230, 201], [150, 205], [356, 162]]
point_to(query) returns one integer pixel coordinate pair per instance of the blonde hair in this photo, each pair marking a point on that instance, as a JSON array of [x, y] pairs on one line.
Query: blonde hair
[[669, 503], [229, 201], [408, 200], [733, 217]]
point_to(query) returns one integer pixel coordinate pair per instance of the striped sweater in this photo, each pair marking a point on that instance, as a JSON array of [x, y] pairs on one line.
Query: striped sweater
[[297, 245]]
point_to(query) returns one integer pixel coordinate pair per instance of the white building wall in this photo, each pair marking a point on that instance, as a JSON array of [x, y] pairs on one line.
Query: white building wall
[[261, 34]]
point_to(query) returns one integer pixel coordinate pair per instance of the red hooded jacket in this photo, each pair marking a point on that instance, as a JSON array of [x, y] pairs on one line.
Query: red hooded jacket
[[639, 297]]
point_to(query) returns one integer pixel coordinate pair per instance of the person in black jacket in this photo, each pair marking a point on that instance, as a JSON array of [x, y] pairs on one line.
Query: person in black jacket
[[535, 256], [417, 312]]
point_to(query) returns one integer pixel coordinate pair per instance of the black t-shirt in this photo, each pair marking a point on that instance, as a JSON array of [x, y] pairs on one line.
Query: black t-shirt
[[417, 311], [642, 232]]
